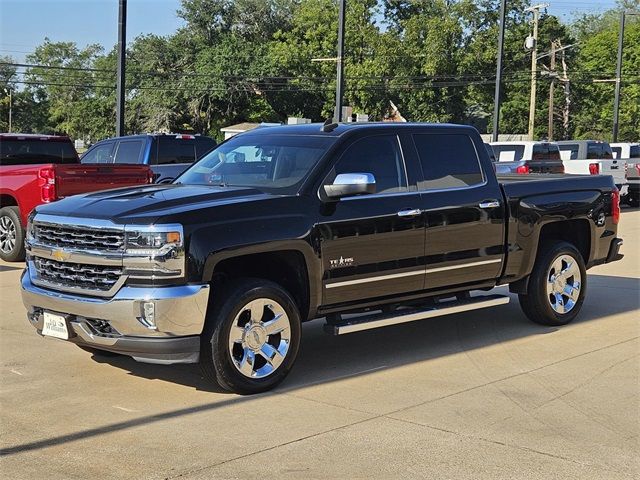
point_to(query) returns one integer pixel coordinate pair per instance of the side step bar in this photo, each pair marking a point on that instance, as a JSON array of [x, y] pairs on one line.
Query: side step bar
[[403, 316]]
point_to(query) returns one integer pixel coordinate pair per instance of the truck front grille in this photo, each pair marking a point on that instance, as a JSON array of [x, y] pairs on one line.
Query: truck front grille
[[98, 278], [83, 238]]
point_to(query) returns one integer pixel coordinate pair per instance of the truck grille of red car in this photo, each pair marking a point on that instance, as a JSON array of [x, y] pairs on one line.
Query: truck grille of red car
[[85, 277], [80, 238]]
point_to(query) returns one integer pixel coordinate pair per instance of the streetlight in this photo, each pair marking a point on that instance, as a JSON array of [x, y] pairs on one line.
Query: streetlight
[[8, 91]]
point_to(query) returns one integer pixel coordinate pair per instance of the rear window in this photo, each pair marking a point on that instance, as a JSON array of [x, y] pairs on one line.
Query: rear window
[[546, 151], [448, 161], [598, 151], [35, 151], [129, 151], [508, 153], [634, 151], [569, 151], [617, 152], [175, 150]]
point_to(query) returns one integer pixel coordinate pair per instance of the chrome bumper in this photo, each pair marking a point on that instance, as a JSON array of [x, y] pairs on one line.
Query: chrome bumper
[[179, 319]]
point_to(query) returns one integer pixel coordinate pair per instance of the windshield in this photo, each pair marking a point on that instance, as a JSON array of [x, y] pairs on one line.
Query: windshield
[[28, 152], [275, 163]]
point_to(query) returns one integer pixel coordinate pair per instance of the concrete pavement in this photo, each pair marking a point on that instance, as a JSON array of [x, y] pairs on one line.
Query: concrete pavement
[[480, 395]]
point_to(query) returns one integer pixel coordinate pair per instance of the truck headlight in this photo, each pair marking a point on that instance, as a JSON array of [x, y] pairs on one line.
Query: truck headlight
[[154, 252], [152, 242]]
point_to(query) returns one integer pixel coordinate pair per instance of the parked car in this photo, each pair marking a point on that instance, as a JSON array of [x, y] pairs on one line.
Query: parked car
[[36, 169], [630, 152], [527, 157], [396, 221], [592, 157], [168, 154]]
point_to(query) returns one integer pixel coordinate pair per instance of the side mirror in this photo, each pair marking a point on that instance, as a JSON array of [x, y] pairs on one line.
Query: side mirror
[[350, 184]]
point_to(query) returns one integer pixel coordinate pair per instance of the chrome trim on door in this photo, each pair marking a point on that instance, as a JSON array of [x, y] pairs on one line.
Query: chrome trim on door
[[375, 279], [411, 273], [463, 265]]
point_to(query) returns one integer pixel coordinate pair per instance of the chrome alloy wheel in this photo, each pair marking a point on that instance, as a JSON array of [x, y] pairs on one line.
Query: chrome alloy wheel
[[563, 284], [7, 234], [259, 338]]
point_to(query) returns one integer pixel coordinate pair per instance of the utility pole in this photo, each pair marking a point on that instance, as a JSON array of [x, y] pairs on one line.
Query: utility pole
[[120, 87], [567, 97], [9, 92], [535, 9], [498, 92], [553, 76], [340, 62], [616, 101]]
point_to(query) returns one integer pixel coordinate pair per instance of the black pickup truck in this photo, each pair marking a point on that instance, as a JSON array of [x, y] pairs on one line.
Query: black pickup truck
[[278, 226]]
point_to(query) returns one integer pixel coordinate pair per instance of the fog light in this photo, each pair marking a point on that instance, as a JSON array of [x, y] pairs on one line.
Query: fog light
[[149, 315]]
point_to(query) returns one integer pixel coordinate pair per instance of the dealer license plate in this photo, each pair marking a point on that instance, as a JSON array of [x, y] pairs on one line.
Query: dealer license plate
[[55, 326]]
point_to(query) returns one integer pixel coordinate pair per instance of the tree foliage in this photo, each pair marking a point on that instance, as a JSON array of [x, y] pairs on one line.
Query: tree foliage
[[265, 60]]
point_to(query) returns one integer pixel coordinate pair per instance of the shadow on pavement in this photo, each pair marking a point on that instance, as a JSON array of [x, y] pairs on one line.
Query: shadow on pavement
[[326, 359], [9, 268]]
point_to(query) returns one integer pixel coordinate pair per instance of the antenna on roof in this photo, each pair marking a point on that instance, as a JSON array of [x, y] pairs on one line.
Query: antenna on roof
[[329, 125]]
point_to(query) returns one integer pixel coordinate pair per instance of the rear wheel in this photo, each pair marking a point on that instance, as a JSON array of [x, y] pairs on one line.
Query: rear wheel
[[11, 235], [633, 201], [252, 337], [557, 286]]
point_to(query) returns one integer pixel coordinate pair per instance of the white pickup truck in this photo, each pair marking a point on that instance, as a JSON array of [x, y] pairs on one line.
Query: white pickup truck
[[592, 157], [631, 153]]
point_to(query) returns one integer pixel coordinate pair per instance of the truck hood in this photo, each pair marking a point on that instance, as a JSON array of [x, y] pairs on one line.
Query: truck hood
[[148, 203]]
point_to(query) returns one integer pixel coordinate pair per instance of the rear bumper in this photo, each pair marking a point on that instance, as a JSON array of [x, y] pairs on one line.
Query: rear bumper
[[118, 324], [614, 250]]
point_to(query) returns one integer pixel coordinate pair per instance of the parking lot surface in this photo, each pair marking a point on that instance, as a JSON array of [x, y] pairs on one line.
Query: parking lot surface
[[485, 394]]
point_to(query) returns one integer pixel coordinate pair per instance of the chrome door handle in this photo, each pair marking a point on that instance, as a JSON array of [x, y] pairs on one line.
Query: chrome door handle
[[490, 204], [410, 212]]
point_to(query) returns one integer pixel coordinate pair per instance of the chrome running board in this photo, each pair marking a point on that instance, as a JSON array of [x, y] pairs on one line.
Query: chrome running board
[[403, 316]]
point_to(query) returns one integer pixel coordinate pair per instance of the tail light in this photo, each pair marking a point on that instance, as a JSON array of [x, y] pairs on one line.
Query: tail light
[[594, 169], [47, 184], [626, 170], [615, 206], [185, 137], [150, 176], [523, 169], [637, 165]]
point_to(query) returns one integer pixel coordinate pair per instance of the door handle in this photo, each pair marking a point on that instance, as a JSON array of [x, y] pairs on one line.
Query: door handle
[[410, 212], [490, 204]]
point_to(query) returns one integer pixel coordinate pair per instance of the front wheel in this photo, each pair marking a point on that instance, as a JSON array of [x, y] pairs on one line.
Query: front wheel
[[251, 337], [557, 286], [11, 235]]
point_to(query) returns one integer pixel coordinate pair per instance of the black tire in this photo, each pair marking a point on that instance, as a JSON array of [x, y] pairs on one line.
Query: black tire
[[216, 356], [633, 201], [10, 225], [537, 303]]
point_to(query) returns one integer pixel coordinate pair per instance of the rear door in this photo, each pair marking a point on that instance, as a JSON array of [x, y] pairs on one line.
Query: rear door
[[372, 245], [464, 211]]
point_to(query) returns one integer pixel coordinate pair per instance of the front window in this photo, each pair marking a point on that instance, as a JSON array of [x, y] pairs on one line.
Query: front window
[[273, 163]]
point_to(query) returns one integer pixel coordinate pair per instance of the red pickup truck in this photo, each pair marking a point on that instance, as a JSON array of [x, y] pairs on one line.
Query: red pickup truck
[[36, 169]]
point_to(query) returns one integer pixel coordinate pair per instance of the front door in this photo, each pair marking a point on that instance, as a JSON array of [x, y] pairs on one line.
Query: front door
[[372, 245], [464, 212]]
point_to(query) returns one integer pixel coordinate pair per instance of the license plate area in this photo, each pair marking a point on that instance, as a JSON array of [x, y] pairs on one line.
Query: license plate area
[[55, 325]]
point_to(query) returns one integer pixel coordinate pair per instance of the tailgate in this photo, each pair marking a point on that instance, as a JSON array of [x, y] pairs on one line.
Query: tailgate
[[615, 168], [84, 178]]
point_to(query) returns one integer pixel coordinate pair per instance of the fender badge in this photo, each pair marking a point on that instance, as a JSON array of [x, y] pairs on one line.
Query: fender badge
[[341, 262]]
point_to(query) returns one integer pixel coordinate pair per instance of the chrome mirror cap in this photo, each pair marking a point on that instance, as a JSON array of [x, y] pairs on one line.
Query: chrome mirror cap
[[349, 184]]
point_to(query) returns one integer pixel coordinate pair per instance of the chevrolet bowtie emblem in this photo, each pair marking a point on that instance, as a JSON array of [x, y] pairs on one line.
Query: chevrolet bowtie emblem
[[60, 255]]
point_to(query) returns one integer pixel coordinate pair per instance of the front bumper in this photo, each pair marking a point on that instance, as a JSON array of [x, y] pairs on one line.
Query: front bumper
[[118, 324]]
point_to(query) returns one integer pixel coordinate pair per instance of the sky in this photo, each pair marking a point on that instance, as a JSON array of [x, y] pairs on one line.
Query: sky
[[25, 23]]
